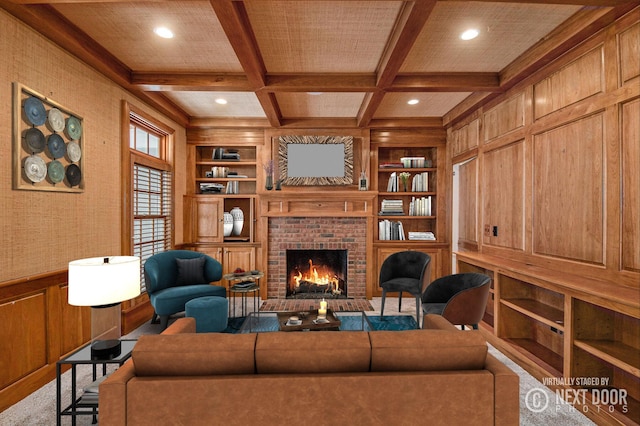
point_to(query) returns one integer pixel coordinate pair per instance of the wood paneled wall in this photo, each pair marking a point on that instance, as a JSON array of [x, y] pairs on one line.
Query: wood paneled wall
[[559, 163]]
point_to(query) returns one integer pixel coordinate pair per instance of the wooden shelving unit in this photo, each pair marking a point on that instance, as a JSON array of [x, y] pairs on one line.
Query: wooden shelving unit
[[559, 325], [204, 210], [387, 152]]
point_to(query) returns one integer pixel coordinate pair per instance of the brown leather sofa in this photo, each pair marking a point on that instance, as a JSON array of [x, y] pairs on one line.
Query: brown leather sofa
[[436, 376]]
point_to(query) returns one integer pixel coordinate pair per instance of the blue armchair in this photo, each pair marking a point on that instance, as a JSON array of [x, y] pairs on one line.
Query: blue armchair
[[176, 276]]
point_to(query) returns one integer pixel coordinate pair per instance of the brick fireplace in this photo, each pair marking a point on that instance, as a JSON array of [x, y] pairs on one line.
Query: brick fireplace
[[317, 220], [316, 233]]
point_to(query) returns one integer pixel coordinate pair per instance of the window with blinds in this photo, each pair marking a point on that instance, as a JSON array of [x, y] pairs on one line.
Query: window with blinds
[[149, 211], [152, 212]]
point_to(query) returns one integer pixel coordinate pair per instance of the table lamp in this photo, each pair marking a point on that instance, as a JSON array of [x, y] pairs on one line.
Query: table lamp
[[102, 283]]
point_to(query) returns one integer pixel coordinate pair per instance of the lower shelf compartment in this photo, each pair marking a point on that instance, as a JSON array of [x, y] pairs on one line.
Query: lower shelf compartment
[[540, 354]]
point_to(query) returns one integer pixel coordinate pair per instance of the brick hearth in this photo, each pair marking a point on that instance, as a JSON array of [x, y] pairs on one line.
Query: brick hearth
[[317, 233]]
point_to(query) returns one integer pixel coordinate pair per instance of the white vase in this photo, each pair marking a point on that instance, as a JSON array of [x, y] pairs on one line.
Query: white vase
[[238, 220], [228, 224]]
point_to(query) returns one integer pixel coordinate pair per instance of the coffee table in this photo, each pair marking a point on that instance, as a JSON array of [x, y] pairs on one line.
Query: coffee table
[[271, 321]]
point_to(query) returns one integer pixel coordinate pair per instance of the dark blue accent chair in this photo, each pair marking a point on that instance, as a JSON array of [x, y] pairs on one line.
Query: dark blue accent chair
[[169, 297]]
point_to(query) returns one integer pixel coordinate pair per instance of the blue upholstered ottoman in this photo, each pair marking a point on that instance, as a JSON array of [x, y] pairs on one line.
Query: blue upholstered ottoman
[[210, 312]]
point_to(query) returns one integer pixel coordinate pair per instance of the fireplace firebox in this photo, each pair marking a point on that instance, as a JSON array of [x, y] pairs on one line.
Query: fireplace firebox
[[316, 273]]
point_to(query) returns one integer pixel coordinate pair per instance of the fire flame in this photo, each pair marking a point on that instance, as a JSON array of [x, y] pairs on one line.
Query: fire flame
[[316, 277]]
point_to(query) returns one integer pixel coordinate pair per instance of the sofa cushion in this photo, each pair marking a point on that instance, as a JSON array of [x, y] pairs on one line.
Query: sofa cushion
[[312, 352], [190, 271], [193, 354], [427, 350]]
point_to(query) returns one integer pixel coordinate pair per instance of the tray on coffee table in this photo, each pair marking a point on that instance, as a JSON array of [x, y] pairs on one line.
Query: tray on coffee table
[[308, 321]]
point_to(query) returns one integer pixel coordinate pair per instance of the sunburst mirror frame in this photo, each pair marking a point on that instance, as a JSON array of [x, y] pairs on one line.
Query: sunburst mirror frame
[[284, 141]]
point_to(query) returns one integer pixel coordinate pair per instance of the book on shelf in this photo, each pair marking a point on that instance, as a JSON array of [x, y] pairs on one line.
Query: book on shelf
[[420, 206], [390, 165], [391, 207], [392, 185], [232, 187], [390, 230], [420, 182], [424, 236]]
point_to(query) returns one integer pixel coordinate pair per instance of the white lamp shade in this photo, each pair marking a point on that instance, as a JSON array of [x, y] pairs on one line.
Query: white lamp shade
[[100, 281]]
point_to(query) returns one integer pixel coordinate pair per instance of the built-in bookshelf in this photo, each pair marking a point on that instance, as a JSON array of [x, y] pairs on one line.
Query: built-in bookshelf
[[407, 190]]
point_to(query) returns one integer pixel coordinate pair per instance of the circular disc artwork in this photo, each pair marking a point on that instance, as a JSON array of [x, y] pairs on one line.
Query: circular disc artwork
[[35, 168], [74, 128], [35, 140], [73, 175], [56, 120], [55, 171], [74, 152], [56, 145], [34, 111]]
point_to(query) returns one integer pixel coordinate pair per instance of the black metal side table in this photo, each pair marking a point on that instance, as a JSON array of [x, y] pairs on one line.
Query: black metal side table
[[88, 407], [243, 284]]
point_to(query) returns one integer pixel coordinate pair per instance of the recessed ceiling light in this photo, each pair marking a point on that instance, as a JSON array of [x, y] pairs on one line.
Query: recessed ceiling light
[[314, 93], [163, 32], [221, 101], [469, 34], [413, 101]]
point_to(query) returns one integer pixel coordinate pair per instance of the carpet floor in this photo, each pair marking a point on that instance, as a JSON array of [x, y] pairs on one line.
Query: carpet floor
[[39, 408]]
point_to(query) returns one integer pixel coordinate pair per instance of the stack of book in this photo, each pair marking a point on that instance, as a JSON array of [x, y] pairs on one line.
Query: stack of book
[[390, 230], [420, 182], [420, 206], [411, 162], [426, 236], [391, 207]]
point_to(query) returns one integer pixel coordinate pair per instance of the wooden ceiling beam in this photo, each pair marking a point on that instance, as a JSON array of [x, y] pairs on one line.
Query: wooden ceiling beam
[[170, 81], [409, 123], [370, 104], [321, 82], [446, 82], [235, 23], [413, 17]]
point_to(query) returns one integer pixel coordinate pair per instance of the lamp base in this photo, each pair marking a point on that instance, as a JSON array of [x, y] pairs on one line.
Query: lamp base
[[105, 349]]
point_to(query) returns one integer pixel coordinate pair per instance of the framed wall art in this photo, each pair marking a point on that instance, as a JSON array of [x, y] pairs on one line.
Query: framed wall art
[[48, 144], [315, 160]]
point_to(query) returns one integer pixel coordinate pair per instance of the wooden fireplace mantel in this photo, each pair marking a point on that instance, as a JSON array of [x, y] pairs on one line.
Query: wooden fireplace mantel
[[318, 204]]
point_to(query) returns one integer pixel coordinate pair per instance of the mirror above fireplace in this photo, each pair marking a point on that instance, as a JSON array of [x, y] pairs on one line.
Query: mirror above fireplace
[[315, 160]]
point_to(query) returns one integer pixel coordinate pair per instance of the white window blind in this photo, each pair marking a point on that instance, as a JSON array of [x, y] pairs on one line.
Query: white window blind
[[152, 212]]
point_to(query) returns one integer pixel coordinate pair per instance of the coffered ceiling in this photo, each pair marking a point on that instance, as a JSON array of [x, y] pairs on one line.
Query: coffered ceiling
[[315, 63]]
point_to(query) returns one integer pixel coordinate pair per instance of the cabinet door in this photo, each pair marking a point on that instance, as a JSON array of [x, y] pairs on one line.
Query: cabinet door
[[238, 257], [208, 220]]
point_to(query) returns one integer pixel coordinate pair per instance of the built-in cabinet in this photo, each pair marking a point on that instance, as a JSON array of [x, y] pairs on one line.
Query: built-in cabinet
[[559, 325], [222, 167], [410, 211]]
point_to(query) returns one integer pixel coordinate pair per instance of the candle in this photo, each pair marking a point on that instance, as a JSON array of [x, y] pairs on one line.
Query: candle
[[322, 312]]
